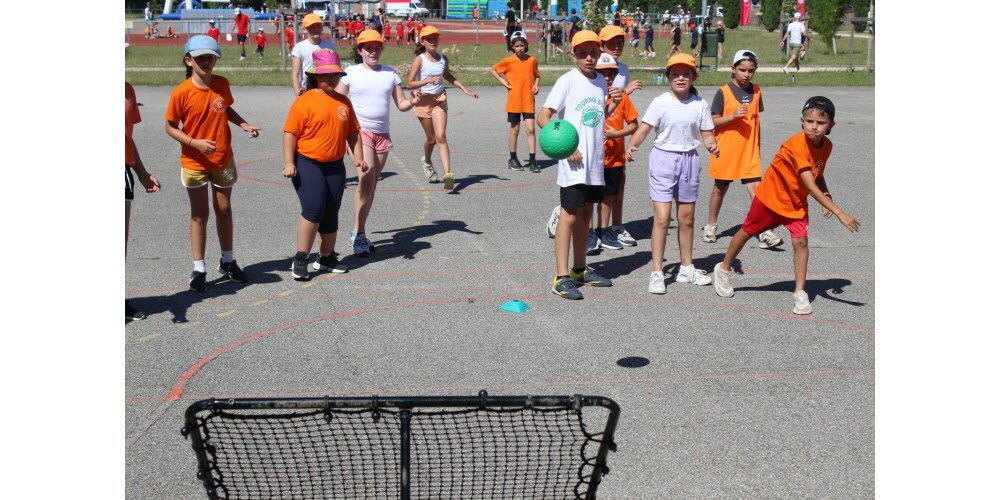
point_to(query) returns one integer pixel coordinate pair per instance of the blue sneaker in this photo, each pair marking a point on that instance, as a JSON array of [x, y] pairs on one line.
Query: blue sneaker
[[360, 243], [610, 241], [593, 244], [565, 288], [588, 277]]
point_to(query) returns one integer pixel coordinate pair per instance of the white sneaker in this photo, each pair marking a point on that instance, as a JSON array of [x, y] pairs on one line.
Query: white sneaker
[[708, 233], [656, 284], [429, 171], [693, 276], [550, 227], [243, 58], [802, 305], [722, 286], [624, 237], [769, 240]]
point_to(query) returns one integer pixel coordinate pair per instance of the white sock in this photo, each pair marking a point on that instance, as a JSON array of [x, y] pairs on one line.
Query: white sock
[[199, 265], [686, 269], [321, 254], [227, 256]]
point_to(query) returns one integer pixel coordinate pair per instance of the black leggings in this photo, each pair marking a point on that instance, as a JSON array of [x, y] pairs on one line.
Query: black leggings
[[320, 186]]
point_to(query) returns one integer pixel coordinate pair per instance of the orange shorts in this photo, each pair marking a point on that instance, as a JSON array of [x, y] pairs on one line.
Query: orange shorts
[[428, 104]]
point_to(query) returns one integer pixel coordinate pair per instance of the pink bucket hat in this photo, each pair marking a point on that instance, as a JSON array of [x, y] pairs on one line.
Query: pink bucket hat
[[326, 62]]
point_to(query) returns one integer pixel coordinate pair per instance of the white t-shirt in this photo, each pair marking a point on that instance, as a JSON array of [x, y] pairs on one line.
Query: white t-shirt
[[430, 68], [622, 79], [370, 93], [678, 124], [580, 101], [304, 50], [795, 31]]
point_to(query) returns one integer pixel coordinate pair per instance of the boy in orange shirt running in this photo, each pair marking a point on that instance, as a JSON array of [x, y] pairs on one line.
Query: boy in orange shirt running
[[782, 198], [521, 73]]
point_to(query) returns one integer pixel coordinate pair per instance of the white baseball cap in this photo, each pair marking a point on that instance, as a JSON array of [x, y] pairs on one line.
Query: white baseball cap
[[798, 15], [237, 10], [745, 54]]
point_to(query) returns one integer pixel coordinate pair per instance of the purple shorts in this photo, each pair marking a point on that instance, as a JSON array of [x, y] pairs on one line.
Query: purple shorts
[[674, 176]]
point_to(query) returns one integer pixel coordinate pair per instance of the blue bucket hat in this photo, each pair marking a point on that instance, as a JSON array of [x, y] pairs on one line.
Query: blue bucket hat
[[200, 45]]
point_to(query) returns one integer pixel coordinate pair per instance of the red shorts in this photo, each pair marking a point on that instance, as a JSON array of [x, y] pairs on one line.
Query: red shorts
[[762, 219]]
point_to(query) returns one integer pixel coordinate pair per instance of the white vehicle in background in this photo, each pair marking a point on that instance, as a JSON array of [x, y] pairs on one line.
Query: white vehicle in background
[[319, 7], [403, 8]]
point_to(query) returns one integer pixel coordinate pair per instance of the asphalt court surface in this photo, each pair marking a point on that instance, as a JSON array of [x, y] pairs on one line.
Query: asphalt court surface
[[740, 398]]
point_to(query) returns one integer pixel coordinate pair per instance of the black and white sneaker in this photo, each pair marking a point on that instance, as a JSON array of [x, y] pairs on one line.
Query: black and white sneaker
[[533, 167], [132, 313], [328, 263], [197, 282], [232, 271], [300, 266], [513, 164]]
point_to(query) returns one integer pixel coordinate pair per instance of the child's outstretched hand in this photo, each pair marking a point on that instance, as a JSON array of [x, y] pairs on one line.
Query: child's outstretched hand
[[633, 86], [615, 94], [254, 131], [471, 94], [150, 183], [849, 221], [631, 150]]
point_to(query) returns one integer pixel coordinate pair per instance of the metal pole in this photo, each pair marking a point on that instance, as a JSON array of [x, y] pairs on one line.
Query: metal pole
[[850, 46], [404, 455]]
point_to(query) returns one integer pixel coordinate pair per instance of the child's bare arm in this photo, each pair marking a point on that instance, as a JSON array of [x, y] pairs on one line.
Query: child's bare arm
[[148, 181], [499, 78], [290, 144], [615, 94], [411, 78], [824, 199], [206, 146], [402, 103], [354, 142], [341, 88], [636, 141], [629, 129], [454, 81], [534, 86], [545, 116], [708, 138], [235, 117]]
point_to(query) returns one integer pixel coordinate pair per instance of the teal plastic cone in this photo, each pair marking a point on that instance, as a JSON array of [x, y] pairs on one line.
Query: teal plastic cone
[[515, 306]]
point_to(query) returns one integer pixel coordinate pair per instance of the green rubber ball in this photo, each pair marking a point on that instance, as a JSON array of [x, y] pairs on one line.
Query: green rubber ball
[[559, 139]]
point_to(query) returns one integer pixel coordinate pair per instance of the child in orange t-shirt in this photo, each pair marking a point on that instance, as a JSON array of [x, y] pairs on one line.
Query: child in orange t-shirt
[[261, 42], [133, 162], [736, 114], [202, 105], [795, 174], [622, 122], [521, 72], [321, 124]]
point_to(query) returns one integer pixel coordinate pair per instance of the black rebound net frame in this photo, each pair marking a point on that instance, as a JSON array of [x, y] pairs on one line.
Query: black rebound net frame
[[403, 447]]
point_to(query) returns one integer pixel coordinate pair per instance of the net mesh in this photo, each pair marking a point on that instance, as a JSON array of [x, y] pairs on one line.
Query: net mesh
[[487, 452]]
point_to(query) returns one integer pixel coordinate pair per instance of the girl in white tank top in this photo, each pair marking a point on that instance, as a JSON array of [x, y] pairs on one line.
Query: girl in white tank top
[[428, 72]]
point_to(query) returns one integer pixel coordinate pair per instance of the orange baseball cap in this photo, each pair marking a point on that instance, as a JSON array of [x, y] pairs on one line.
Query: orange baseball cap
[[310, 20], [610, 31], [428, 31], [682, 60], [369, 35], [584, 36]]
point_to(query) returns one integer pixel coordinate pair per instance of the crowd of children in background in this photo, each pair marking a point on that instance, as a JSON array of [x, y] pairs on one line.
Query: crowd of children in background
[[337, 112]]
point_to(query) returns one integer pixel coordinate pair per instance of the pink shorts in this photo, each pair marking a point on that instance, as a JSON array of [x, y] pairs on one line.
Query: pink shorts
[[762, 219], [381, 143]]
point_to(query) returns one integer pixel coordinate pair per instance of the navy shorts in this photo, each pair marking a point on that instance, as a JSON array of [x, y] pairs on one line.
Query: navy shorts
[[578, 195], [129, 184], [320, 186], [613, 180]]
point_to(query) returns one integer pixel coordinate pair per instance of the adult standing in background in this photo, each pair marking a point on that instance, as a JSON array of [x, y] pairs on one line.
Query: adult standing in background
[[279, 21], [574, 23], [241, 25], [148, 15], [509, 28], [378, 19], [793, 35], [302, 60]]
